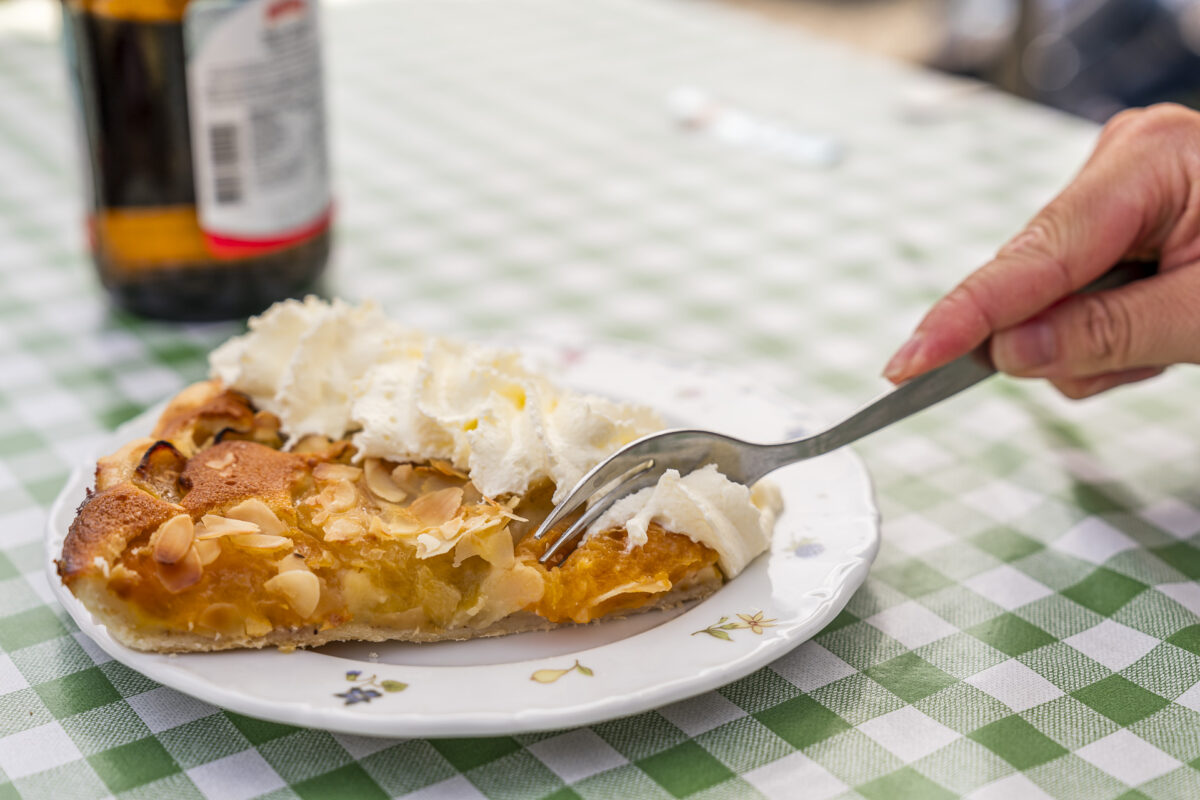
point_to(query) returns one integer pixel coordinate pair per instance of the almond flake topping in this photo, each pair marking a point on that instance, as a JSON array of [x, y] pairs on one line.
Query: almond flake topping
[[437, 508], [336, 472], [645, 586], [209, 551], [341, 497], [381, 483], [220, 463], [291, 561], [506, 509], [213, 526], [343, 529], [173, 539], [260, 541], [301, 589], [447, 469], [258, 513], [184, 573]]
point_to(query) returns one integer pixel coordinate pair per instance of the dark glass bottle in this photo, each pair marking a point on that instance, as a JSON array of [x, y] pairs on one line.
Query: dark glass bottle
[[203, 134]]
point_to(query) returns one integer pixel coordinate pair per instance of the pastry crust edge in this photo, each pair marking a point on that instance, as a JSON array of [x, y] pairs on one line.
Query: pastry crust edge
[[92, 592]]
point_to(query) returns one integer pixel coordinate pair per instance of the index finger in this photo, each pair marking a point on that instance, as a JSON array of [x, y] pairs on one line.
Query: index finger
[[1079, 235]]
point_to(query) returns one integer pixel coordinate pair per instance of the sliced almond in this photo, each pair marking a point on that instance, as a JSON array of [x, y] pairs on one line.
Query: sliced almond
[[213, 526], [506, 509], [301, 589], [430, 545], [220, 463], [209, 551], [482, 518], [335, 497], [504, 591], [402, 474], [397, 521], [437, 507], [184, 573], [312, 443], [430, 480], [336, 472], [343, 529], [494, 546], [290, 562], [646, 586], [258, 513], [448, 469], [260, 541], [173, 539], [379, 481]]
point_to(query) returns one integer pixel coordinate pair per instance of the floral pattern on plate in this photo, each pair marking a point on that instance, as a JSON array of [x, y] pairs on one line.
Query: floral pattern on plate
[[365, 690], [755, 623]]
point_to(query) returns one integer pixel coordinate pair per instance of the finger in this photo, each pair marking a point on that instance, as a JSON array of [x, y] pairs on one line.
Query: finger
[[1080, 234], [1079, 388], [1149, 323], [1077, 237]]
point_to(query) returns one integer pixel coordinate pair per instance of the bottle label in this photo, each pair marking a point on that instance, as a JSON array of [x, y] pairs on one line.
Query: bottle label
[[257, 122]]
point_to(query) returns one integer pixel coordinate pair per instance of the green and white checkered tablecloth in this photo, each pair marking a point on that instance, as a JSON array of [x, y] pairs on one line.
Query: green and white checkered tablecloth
[[1032, 625]]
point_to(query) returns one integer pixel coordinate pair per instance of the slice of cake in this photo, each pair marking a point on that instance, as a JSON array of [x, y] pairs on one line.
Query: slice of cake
[[343, 478]]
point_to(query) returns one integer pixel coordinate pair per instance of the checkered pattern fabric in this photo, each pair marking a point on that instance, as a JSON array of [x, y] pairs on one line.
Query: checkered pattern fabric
[[1032, 625]]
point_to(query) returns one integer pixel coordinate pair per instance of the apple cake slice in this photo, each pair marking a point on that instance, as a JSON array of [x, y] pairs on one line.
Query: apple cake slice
[[227, 527]]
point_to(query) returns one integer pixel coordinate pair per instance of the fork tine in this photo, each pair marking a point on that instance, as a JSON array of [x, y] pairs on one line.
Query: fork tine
[[577, 498], [629, 484], [577, 527], [566, 508], [598, 478]]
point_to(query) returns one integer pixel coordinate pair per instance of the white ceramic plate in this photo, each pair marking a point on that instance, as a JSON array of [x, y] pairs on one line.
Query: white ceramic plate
[[823, 546]]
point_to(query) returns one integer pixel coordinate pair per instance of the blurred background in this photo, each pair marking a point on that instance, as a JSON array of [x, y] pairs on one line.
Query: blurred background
[[1087, 57]]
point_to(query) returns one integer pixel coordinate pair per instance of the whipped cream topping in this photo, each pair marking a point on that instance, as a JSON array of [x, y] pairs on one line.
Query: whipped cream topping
[[339, 370], [732, 519]]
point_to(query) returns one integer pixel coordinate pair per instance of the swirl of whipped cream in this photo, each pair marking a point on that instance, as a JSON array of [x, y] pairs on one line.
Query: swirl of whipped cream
[[339, 370]]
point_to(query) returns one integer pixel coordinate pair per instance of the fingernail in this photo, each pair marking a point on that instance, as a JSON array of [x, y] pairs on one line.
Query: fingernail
[[1026, 347], [901, 363]]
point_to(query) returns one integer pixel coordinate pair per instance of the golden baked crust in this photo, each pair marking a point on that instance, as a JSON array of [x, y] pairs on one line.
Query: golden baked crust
[[208, 536], [105, 524]]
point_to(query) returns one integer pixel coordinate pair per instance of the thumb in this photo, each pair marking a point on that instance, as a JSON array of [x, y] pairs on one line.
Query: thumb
[[1149, 323]]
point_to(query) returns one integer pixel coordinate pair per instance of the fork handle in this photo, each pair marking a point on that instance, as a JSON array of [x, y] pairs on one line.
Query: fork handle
[[905, 400], [932, 387]]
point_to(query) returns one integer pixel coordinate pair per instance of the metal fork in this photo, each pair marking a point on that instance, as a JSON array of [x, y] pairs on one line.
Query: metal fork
[[640, 464]]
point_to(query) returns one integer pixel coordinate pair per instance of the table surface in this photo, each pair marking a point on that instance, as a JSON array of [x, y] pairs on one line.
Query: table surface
[[1030, 627]]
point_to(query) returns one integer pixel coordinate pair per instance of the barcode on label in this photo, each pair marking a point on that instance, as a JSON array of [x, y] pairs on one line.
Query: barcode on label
[[227, 179]]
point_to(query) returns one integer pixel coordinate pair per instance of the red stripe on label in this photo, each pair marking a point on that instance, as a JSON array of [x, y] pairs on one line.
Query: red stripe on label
[[283, 7], [229, 246]]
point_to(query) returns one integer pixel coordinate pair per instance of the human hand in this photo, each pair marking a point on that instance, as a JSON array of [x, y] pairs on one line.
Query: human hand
[[1136, 198]]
